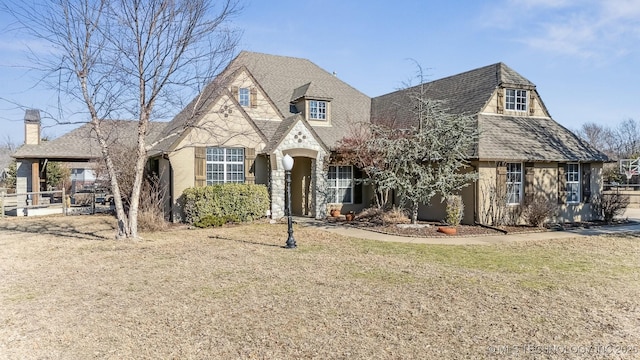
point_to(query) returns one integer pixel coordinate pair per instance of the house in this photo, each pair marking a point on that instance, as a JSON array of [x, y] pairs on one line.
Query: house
[[262, 107], [78, 149], [522, 154], [259, 109]]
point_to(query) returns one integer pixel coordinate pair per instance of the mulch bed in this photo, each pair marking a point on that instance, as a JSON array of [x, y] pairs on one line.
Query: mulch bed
[[429, 228]]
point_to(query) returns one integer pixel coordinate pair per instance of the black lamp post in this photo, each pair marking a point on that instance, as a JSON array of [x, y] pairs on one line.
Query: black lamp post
[[287, 164]]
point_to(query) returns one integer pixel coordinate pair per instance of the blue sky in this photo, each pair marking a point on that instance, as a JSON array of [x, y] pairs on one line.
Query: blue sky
[[583, 55]]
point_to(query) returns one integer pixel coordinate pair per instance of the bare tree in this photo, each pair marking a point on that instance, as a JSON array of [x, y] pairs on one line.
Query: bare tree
[[357, 149], [627, 139], [598, 136], [129, 58], [8, 143]]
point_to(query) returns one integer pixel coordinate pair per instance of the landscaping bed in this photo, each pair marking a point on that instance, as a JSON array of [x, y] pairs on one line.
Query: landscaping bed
[[430, 228]]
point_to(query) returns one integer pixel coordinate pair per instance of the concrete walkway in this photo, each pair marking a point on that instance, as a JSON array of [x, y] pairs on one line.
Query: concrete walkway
[[631, 214]]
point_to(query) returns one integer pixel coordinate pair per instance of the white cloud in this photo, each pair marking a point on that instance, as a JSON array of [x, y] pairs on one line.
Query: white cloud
[[589, 29]]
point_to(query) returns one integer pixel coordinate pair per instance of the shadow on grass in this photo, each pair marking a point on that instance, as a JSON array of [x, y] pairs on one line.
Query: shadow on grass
[[59, 227], [245, 241]]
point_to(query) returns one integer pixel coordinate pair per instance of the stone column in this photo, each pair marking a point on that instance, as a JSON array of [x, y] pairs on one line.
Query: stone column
[[277, 187]]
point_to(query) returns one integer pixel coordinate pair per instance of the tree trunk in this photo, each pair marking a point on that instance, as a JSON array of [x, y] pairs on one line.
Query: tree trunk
[[414, 213], [141, 160]]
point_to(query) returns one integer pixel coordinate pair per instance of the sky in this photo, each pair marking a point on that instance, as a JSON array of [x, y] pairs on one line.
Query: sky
[[582, 55]]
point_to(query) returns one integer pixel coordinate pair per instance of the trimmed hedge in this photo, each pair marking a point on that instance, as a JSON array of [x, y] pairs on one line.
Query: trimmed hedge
[[238, 202]]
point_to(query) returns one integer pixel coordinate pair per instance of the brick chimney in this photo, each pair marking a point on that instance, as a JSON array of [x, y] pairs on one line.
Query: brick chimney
[[32, 127]]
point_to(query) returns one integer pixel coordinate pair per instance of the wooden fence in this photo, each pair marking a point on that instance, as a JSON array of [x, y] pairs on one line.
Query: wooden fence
[[33, 203]]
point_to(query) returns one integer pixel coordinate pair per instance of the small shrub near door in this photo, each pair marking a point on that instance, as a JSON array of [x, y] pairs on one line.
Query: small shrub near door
[[240, 202]]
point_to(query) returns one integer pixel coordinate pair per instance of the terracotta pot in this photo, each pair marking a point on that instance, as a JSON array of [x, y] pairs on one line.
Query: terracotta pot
[[335, 213], [447, 230], [349, 217]]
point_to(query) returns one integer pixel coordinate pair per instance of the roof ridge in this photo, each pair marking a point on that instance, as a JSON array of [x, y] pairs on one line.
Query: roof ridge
[[332, 74]]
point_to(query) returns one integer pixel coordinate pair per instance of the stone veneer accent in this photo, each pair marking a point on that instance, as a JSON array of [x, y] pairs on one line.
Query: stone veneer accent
[[298, 138]]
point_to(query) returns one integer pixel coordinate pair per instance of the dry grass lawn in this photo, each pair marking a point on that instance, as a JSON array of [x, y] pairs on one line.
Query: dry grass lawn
[[68, 291]]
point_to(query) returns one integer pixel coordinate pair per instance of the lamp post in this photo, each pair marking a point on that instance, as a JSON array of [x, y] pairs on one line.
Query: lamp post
[[287, 164]]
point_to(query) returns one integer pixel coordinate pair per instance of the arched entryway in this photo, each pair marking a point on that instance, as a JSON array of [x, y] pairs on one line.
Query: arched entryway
[[301, 204]]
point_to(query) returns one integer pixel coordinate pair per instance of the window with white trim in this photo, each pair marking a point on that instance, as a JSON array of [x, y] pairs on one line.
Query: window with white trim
[[573, 183], [225, 165], [244, 97], [514, 183], [340, 184], [317, 110], [515, 99]]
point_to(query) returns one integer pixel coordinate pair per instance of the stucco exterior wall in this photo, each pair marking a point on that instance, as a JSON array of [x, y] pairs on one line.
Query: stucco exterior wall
[[263, 110], [583, 211], [545, 184], [437, 209], [223, 126]]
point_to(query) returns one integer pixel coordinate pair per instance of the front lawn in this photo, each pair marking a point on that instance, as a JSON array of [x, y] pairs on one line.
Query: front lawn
[[68, 291]]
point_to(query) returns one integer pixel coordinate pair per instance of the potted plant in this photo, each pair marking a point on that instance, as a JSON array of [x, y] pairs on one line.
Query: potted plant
[[334, 209], [350, 216], [455, 211]]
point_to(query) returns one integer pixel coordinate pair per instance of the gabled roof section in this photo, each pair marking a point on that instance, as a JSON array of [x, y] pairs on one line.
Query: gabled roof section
[[509, 77], [464, 93], [284, 129], [188, 116], [81, 143], [280, 76], [310, 91]]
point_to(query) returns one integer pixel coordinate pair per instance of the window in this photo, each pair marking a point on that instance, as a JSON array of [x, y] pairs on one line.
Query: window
[[317, 110], [225, 165], [516, 100], [514, 183], [340, 184], [573, 183], [244, 97]]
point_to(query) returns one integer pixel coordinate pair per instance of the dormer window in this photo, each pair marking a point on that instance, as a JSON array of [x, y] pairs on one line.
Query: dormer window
[[317, 110], [515, 100]]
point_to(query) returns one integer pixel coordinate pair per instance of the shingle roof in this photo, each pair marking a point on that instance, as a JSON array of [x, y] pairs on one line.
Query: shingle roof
[[280, 76], [501, 137], [310, 91], [531, 139], [464, 93], [81, 143], [283, 79]]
